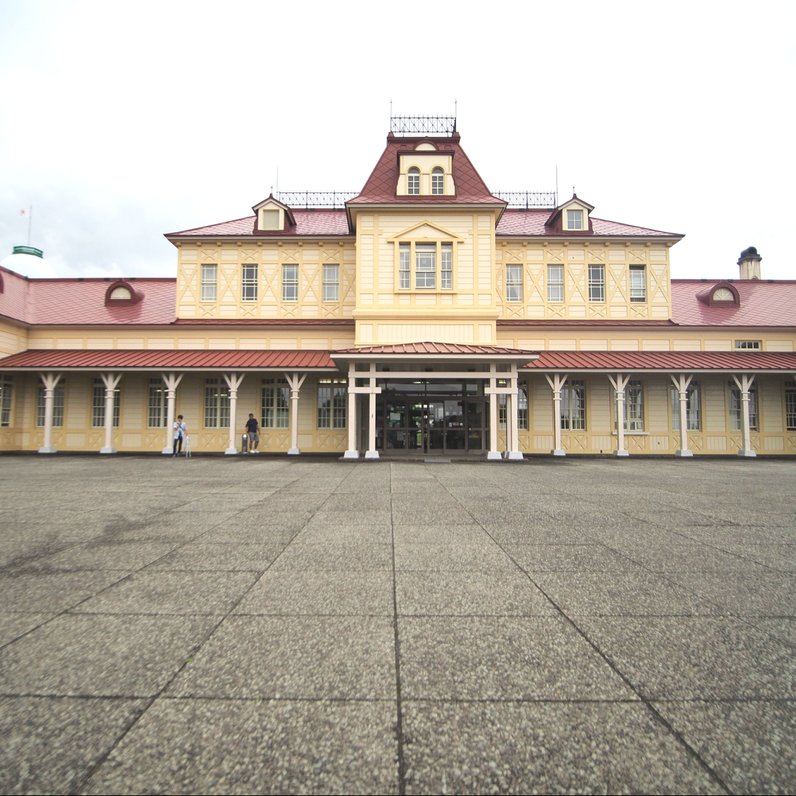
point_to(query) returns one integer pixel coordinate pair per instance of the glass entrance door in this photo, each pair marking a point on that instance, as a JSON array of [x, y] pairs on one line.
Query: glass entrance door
[[452, 420]]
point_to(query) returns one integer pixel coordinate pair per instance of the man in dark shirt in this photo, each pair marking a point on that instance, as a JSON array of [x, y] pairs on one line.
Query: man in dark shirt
[[253, 430]]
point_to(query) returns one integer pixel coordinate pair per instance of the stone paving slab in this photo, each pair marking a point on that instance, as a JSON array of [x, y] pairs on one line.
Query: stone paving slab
[[290, 624]]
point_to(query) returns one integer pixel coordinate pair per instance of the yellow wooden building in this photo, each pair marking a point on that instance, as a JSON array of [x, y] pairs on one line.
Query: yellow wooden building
[[424, 315]]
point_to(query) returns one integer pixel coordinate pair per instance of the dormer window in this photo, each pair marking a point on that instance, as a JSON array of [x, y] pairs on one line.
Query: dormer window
[[723, 294], [437, 181], [574, 219], [271, 215], [120, 293], [413, 182]]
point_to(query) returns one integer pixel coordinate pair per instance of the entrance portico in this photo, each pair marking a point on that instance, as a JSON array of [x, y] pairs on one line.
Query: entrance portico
[[433, 398]]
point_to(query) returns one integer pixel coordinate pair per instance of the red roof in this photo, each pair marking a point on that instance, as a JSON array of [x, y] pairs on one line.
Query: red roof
[[380, 187], [172, 359], [736, 361], [762, 303], [531, 223], [436, 349], [310, 222]]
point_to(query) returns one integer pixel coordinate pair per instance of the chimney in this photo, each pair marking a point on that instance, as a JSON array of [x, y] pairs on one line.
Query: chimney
[[749, 263]]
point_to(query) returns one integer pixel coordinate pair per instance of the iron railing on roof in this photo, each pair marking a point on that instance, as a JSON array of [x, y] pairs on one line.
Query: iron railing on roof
[[423, 125], [528, 199], [306, 199]]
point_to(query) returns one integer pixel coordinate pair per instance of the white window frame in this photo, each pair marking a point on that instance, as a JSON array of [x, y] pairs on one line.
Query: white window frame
[[331, 282], [693, 407], [332, 403], [275, 403], [425, 266], [413, 181], [157, 404], [736, 409], [637, 278], [437, 181], [98, 404], [216, 404], [634, 407], [555, 283], [573, 405], [790, 405], [596, 274], [209, 281], [6, 398], [575, 219], [248, 282], [290, 282], [59, 405], [514, 282], [748, 345]]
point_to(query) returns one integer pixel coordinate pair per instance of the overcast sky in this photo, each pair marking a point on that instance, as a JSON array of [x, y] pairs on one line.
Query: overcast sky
[[120, 122]]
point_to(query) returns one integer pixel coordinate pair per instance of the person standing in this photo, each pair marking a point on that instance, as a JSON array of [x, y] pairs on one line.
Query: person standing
[[180, 432], [253, 430]]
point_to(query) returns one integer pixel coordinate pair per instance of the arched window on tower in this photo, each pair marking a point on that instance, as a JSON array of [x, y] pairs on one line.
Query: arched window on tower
[[437, 181], [413, 181]]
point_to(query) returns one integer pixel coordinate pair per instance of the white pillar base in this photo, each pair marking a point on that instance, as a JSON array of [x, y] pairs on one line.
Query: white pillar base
[[293, 452], [351, 455], [231, 452], [748, 452], [494, 456], [684, 454], [559, 452], [48, 450], [622, 453], [167, 451], [371, 454], [107, 450], [515, 456]]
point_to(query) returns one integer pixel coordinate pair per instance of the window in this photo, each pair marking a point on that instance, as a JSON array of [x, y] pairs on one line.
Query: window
[[331, 282], [634, 406], [574, 219], [555, 283], [216, 404], [790, 405], [332, 398], [513, 283], [98, 405], [6, 394], [289, 283], [748, 345], [425, 266], [405, 266], [157, 410], [573, 406], [446, 266], [437, 181], [432, 264], [121, 293], [522, 406], [249, 283], [638, 283], [270, 219], [413, 182], [597, 283], [736, 408], [210, 279], [58, 405], [692, 408], [723, 294], [275, 408]]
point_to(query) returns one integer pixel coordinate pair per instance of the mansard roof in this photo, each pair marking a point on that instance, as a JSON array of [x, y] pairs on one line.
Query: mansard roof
[[381, 186], [311, 222], [531, 223]]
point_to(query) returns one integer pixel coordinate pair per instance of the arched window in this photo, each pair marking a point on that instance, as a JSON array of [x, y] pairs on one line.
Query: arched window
[[413, 181], [437, 181]]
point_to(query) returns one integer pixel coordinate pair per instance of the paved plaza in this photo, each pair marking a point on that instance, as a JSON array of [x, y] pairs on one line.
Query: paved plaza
[[272, 625]]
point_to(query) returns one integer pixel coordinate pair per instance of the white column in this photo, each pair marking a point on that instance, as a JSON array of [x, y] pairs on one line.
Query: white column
[[233, 380], [556, 385], [110, 381], [744, 385], [352, 452], [50, 382], [371, 452], [172, 381], [294, 381], [493, 453], [619, 383], [513, 418], [681, 383]]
